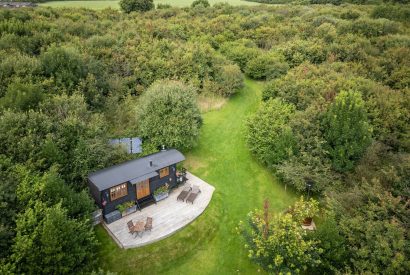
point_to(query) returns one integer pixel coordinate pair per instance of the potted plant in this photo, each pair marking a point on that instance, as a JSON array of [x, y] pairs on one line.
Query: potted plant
[[304, 211], [161, 192], [127, 208]]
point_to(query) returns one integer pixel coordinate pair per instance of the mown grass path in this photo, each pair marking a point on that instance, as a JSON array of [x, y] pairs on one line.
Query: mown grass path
[[210, 245]]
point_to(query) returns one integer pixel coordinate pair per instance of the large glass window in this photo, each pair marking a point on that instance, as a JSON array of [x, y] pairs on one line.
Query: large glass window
[[118, 191]]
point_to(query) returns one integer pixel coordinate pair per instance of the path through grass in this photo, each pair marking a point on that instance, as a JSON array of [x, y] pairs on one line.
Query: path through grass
[[210, 245], [101, 4]]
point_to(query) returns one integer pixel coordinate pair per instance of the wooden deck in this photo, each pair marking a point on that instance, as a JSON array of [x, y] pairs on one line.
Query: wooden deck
[[169, 216]]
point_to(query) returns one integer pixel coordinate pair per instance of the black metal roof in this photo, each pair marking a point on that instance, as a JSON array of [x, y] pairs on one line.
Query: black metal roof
[[137, 168]]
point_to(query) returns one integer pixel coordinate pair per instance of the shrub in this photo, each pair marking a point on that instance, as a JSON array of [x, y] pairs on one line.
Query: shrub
[[168, 115], [21, 96], [346, 130], [136, 5], [65, 65], [239, 53], [266, 66], [269, 137], [200, 3], [279, 244], [230, 80]]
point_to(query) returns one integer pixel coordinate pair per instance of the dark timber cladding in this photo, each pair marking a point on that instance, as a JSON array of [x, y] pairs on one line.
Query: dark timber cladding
[[134, 180]]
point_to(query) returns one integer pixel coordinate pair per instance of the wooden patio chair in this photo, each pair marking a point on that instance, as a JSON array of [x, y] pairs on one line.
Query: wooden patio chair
[[184, 193], [131, 227], [194, 193], [148, 224]]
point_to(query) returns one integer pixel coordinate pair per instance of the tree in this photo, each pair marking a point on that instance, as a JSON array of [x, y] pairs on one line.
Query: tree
[[200, 3], [22, 96], [8, 204], [332, 242], [49, 242], [266, 66], [346, 130], [136, 5], [64, 64], [168, 115], [279, 244], [269, 136]]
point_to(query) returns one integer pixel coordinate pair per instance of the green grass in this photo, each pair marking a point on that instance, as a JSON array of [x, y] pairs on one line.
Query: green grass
[[98, 5], [210, 244]]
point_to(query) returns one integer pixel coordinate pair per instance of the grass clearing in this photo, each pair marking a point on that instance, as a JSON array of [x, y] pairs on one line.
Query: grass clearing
[[99, 5], [210, 244]]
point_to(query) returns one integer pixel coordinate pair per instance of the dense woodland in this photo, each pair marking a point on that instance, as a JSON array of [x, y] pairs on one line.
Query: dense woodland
[[335, 111]]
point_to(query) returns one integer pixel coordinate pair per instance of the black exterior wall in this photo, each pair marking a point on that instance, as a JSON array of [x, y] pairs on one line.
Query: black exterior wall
[[155, 183]]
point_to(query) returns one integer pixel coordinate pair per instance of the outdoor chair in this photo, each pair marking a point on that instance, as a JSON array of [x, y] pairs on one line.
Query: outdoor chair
[[131, 227], [148, 224], [184, 193], [194, 193]]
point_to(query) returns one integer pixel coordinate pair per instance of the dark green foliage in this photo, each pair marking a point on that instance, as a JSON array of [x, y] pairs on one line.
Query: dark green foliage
[[266, 66], [70, 79], [168, 115], [392, 12], [278, 243], [8, 202], [374, 222], [333, 245], [346, 130], [48, 241], [269, 137], [136, 5], [240, 53], [200, 3], [22, 96], [63, 64]]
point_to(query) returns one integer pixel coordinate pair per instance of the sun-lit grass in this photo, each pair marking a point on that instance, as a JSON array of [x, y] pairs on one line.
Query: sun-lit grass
[[97, 5], [210, 245]]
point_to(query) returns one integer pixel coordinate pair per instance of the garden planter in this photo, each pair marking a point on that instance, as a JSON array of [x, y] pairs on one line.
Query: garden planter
[[161, 196], [307, 221], [129, 211]]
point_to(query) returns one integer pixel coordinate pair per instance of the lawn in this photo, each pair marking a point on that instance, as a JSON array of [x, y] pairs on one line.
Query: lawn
[[210, 245], [114, 4]]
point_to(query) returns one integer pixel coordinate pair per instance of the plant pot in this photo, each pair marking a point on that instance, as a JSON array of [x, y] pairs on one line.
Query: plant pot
[[161, 196], [307, 221], [129, 210]]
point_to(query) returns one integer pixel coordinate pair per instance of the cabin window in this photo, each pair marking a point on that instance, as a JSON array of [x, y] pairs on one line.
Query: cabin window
[[118, 191], [164, 172]]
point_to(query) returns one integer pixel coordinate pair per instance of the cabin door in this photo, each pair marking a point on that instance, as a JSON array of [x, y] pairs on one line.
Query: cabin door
[[143, 189]]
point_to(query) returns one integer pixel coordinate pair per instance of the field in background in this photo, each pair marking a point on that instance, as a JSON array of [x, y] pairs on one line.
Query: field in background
[[97, 5]]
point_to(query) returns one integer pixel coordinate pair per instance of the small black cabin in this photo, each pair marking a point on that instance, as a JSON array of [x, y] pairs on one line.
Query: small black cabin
[[134, 180]]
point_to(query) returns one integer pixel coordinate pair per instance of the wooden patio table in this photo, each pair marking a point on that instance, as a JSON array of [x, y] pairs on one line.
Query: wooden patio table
[[139, 227]]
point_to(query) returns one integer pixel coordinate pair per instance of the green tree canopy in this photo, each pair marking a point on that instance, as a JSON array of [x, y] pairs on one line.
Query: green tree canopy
[[269, 136], [200, 3], [346, 130], [278, 243], [168, 115], [136, 5]]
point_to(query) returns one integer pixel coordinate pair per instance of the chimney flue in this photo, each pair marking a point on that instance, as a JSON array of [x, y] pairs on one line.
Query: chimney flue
[[150, 163], [163, 148]]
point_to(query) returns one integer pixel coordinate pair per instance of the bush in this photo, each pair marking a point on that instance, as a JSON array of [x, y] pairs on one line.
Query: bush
[[279, 244], [239, 53], [21, 96], [168, 115], [266, 66], [200, 3], [65, 65], [269, 136], [230, 80], [136, 5], [346, 130]]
